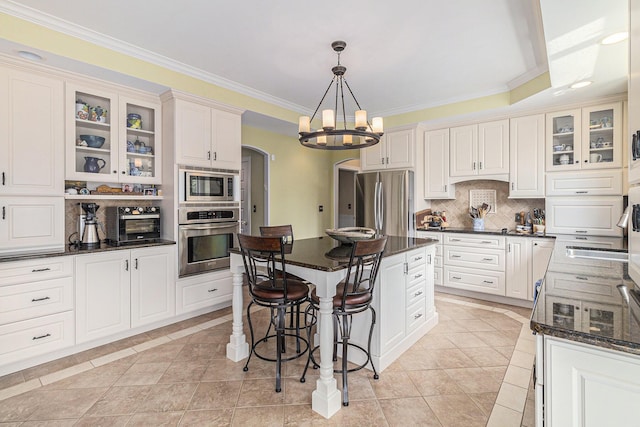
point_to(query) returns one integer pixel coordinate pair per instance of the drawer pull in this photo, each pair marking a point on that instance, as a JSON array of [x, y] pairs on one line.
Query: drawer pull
[[455, 240], [418, 258], [455, 256], [456, 277], [486, 242], [212, 290], [417, 316], [38, 270], [487, 281], [487, 259], [42, 336], [39, 299], [582, 278], [417, 276], [417, 294]]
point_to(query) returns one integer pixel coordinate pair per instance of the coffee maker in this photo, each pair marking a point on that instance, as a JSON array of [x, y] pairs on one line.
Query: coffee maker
[[88, 225]]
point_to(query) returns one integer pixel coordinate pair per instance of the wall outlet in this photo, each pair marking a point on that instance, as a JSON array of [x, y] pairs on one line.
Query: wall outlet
[[518, 217]]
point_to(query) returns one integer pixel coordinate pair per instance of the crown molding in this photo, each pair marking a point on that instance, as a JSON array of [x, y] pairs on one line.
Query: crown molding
[[102, 40]]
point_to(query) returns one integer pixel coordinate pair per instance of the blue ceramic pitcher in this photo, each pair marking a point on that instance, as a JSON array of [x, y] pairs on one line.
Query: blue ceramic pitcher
[[92, 164]]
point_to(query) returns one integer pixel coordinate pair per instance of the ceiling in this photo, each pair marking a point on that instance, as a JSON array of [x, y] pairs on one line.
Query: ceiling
[[401, 56]]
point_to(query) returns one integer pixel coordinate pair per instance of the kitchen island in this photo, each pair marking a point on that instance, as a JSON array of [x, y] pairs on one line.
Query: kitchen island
[[586, 317], [403, 300]]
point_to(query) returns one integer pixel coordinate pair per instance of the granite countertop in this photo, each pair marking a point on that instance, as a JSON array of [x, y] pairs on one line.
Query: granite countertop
[[327, 254], [500, 232], [589, 301], [77, 250]]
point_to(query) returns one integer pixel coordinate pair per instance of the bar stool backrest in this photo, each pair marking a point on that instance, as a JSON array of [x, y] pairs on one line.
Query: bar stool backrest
[[363, 267], [259, 257], [278, 231]]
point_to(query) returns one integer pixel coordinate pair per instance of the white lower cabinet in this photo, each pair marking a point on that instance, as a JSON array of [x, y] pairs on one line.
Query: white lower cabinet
[[404, 303], [31, 223], [152, 285], [202, 291], [36, 308], [527, 261], [437, 264], [117, 290], [588, 386]]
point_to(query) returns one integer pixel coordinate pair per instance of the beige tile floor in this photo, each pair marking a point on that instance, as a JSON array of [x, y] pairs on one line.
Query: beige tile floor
[[472, 369]]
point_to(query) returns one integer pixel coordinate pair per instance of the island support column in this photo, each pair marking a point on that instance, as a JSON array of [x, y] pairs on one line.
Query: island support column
[[237, 348]]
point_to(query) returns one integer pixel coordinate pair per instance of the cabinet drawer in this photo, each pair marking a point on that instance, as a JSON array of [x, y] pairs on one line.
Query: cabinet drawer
[[25, 301], [437, 276], [472, 279], [12, 273], [593, 215], [416, 275], [490, 259], [561, 262], [29, 338], [438, 250], [482, 241], [416, 316], [596, 183], [200, 294], [416, 293], [416, 259]]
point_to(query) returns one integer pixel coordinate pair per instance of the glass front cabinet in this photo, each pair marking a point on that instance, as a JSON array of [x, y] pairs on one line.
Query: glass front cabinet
[[587, 138], [111, 137], [585, 316]]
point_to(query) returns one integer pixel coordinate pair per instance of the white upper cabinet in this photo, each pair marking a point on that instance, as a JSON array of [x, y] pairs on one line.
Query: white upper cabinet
[[526, 163], [479, 151], [395, 150], [127, 130], [436, 165], [204, 135], [587, 138], [31, 134]]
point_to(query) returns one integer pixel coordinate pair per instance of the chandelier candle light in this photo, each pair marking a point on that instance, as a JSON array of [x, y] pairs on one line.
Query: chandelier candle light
[[329, 137]]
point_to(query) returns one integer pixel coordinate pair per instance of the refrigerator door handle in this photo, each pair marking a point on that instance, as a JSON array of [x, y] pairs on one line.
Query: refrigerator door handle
[[375, 205], [381, 207]]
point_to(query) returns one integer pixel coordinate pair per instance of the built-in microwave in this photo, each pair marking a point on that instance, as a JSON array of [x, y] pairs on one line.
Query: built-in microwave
[[207, 186]]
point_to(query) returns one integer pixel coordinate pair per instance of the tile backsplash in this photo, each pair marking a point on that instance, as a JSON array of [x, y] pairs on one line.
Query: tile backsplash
[[458, 210]]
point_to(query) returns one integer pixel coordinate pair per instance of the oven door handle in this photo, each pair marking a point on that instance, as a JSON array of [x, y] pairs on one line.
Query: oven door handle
[[143, 216], [206, 227]]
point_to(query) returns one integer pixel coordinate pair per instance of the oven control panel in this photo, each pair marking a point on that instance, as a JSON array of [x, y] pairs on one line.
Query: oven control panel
[[205, 215], [127, 210]]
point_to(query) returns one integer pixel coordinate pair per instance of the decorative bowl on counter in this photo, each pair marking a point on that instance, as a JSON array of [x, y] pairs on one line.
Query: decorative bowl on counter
[[348, 235], [93, 141]]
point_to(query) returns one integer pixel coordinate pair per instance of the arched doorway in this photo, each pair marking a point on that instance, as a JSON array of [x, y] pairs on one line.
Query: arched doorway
[[254, 190]]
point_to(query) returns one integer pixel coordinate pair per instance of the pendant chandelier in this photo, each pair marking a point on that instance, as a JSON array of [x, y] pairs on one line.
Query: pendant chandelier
[[363, 135]]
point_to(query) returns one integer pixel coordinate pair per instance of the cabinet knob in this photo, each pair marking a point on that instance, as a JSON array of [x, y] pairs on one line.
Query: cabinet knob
[[123, 172]]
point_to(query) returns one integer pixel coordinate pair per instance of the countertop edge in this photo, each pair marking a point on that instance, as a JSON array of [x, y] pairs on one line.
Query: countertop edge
[[485, 232]]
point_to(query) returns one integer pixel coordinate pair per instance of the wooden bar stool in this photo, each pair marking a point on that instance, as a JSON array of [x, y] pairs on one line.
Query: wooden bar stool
[[279, 294], [353, 295]]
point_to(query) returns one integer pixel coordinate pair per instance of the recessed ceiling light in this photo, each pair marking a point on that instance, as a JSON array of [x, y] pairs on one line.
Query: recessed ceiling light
[[580, 84], [615, 38], [29, 55]]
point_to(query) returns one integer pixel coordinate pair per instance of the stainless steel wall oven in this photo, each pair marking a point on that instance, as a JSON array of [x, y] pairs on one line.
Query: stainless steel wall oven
[[205, 235]]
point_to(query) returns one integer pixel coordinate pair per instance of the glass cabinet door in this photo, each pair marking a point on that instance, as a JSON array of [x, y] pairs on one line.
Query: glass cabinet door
[[563, 313], [604, 320], [92, 138], [140, 158], [563, 139], [602, 142]]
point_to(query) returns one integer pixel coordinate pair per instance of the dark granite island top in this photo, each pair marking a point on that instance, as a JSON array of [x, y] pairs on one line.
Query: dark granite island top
[[327, 254], [592, 301]]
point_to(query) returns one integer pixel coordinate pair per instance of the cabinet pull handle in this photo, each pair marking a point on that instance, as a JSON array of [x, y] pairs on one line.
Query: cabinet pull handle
[[136, 264], [406, 268], [480, 165], [417, 294], [38, 270], [581, 231], [212, 290], [512, 186], [3, 178], [387, 160], [582, 192], [455, 256], [126, 265], [456, 277], [41, 336], [445, 188], [39, 299], [509, 247], [418, 258], [474, 165], [382, 160], [486, 242], [429, 259], [487, 259], [582, 278], [417, 316], [417, 276], [208, 155], [215, 155], [4, 212], [455, 240], [581, 238], [488, 281]]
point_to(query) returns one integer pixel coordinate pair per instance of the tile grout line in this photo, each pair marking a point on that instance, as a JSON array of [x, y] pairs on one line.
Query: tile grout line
[[501, 410]]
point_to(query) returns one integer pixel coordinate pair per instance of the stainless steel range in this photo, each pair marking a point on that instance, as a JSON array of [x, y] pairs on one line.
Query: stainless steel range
[[205, 235]]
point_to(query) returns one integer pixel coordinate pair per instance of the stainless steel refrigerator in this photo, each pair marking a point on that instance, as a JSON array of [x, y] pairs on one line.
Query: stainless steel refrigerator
[[384, 202]]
